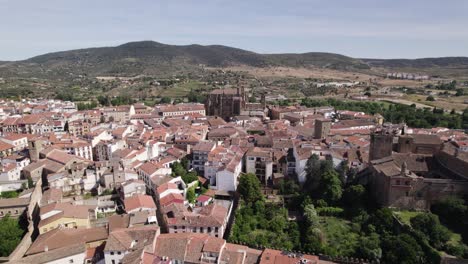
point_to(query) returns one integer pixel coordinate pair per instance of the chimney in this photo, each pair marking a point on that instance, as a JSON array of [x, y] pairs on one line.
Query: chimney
[[404, 167], [46, 248]]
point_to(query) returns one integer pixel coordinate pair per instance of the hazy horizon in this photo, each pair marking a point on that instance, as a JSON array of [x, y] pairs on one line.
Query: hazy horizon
[[359, 28]]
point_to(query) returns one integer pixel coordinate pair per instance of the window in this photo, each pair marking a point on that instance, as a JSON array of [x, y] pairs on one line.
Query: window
[[119, 253], [70, 261], [112, 252], [113, 261]]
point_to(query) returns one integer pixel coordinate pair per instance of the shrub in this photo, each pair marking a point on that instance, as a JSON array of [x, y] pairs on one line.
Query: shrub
[[330, 211]]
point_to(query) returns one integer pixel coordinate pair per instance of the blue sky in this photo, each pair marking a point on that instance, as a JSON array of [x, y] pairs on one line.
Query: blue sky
[[358, 28]]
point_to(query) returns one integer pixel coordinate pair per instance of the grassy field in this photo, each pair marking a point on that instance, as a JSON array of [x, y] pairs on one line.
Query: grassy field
[[405, 216], [183, 89], [339, 235], [450, 103]]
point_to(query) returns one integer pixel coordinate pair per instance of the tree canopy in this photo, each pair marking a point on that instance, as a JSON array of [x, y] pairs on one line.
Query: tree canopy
[[249, 188], [10, 235]]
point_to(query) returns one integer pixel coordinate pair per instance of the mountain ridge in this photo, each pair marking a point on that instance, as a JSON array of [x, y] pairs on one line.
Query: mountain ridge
[[151, 57]]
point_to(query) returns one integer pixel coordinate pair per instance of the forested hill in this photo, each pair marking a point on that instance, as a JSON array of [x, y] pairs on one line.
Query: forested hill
[[154, 58], [149, 57]]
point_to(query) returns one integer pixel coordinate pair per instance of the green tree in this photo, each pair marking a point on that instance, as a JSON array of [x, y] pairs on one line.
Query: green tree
[[311, 216], [178, 169], [190, 177], [354, 196], [369, 247], [10, 234], [191, 195], [450, 210], [165, 100], [330, 186], [195, 97], [249, 188], [314, 170], [9, 194], [428, 224], [104, 100], [402, 249], [288, 187], [430, 98], [314, 240], [382, 219]]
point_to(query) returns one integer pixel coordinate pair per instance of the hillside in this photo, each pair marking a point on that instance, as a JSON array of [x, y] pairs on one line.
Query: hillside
[[445, 62], [153, 58], [148, 57]]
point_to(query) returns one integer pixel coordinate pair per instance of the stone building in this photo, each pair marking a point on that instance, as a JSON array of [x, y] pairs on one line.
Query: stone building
[[412, 181], [421, 144], [322, 128], [425, 171], [226, 103], [381, 145]]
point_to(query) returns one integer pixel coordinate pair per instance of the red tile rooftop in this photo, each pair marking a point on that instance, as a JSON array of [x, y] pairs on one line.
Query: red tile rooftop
[[139, 201]]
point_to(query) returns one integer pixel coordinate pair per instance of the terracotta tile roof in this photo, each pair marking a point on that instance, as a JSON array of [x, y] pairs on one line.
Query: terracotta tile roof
[[59, 156], [64, 210], [203, 198], [270, 256], [51, 195], [149, 168], [205, 146], [238, 254], [171, 198], [5, 146], [62, 237], [222, 132], [118, 221], [166, 186], [187, 247], [55, 255], [177, 153], [212, 215], [10, 121], [131, 238], [139, 201], [259, 152], [14, 202], [14, 136]]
